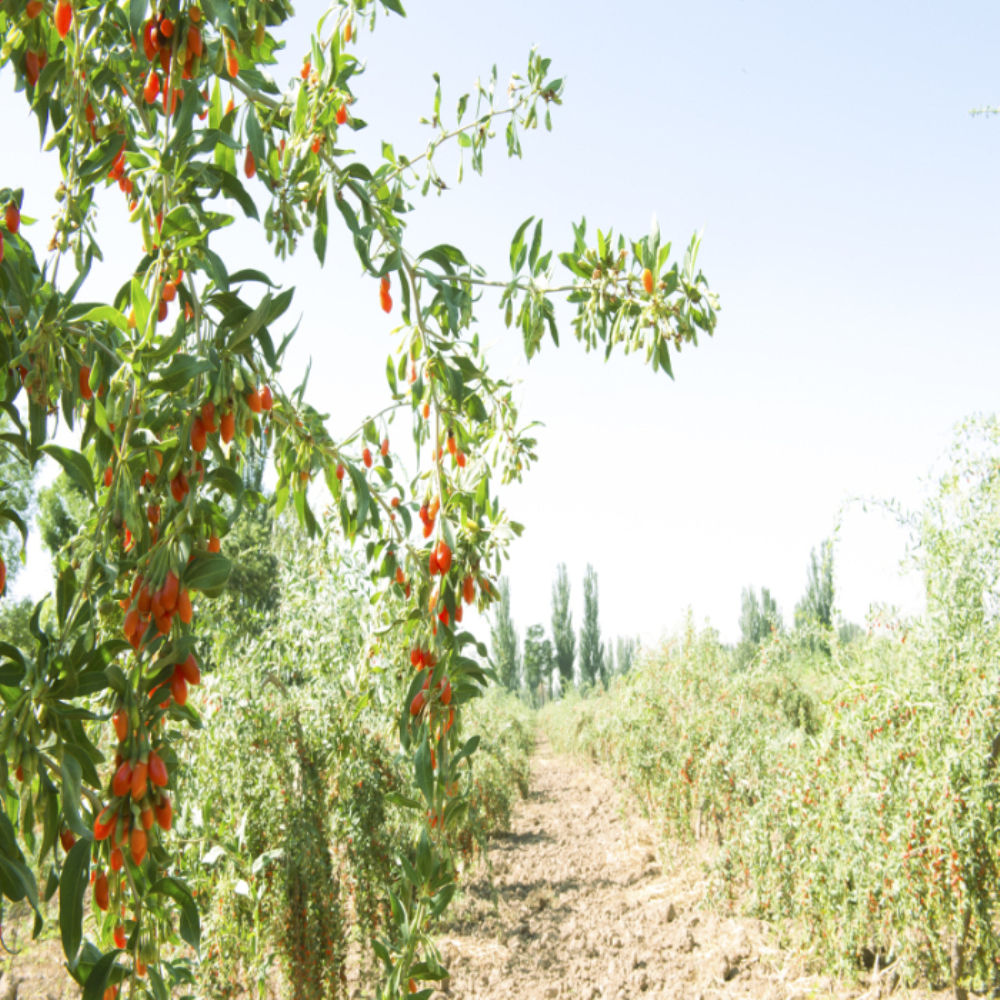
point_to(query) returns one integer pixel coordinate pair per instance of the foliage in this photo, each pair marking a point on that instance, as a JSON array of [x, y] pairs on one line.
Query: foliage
[[757, 619], [505, 642], [17, 493], [538, 662], [297, 846], [63, 509], [627, 650], [593, 669], [867, 825], [161, 396], [815, 610], [15, 621], [563, 636]]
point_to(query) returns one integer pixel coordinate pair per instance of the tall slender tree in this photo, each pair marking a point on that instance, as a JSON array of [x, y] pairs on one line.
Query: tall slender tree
[[506, 651], [816, 607], [537, 662], [591, 648], [756, 618], [562, 627], [627, 649]]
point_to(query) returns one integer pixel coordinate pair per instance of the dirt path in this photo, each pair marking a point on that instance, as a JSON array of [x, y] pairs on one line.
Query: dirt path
[[581, 906]]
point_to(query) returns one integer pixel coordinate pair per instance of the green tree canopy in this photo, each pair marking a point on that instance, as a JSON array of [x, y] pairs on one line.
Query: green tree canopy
[[757, 615], [506, 652], [815, 610], [538, 661], [563, 635], [592, 665]]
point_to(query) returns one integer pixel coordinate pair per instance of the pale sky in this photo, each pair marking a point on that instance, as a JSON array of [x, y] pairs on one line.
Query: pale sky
[[850, 228]]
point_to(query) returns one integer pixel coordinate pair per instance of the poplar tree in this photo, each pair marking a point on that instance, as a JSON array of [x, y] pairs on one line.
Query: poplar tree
[[591, 647], [562, 627], [506, 652]]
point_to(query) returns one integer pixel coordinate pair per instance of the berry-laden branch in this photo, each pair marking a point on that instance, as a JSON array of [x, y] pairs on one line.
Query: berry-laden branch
[[169, 388]]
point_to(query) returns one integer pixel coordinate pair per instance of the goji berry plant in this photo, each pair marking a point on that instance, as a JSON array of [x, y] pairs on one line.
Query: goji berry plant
[[857, 805], [166, 389]]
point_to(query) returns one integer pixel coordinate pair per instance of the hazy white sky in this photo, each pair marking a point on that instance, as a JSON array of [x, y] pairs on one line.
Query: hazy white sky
[[850, 215]]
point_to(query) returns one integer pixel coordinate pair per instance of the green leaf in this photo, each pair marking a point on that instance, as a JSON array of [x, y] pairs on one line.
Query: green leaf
[[190, 922], [17, 881], [209, 571], [233, 188], [536, 246], [75, 466], [72, 777], [106, 314], [362, 492], [100, 976], [72, 887], [517, 244], [424, 772], [180, 371], [182, 219], [221, 13], [255, 137], [322, 226], [136, 15]]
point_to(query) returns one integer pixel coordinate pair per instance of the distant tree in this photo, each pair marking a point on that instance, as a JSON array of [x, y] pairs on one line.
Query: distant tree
[[756, 618], [591, 648], [17, 493], [15, 617], [627, 649], [609, 663], [816, 607], [849, 632], [537, 661], [506, 655], [563, 636], [62, 509]]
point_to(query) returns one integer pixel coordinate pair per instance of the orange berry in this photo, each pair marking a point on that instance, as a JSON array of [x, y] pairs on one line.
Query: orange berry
[[647, 281], [366, 457], [63, 18], [84, 382], [199, 437], [249, 165], [342, 114], [137, 845], [152, 88], [194, 39], [253, 401]]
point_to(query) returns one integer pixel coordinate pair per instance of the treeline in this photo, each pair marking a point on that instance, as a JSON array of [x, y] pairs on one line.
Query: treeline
[[815, 614], [543, 666]]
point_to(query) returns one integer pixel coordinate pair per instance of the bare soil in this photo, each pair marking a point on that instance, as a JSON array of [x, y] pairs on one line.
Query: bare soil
[[581, 903]]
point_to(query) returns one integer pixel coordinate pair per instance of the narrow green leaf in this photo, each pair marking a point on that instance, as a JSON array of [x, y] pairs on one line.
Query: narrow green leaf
[[100, 976], [72, 887], [71, 796], [75, 466], [190, 922]]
